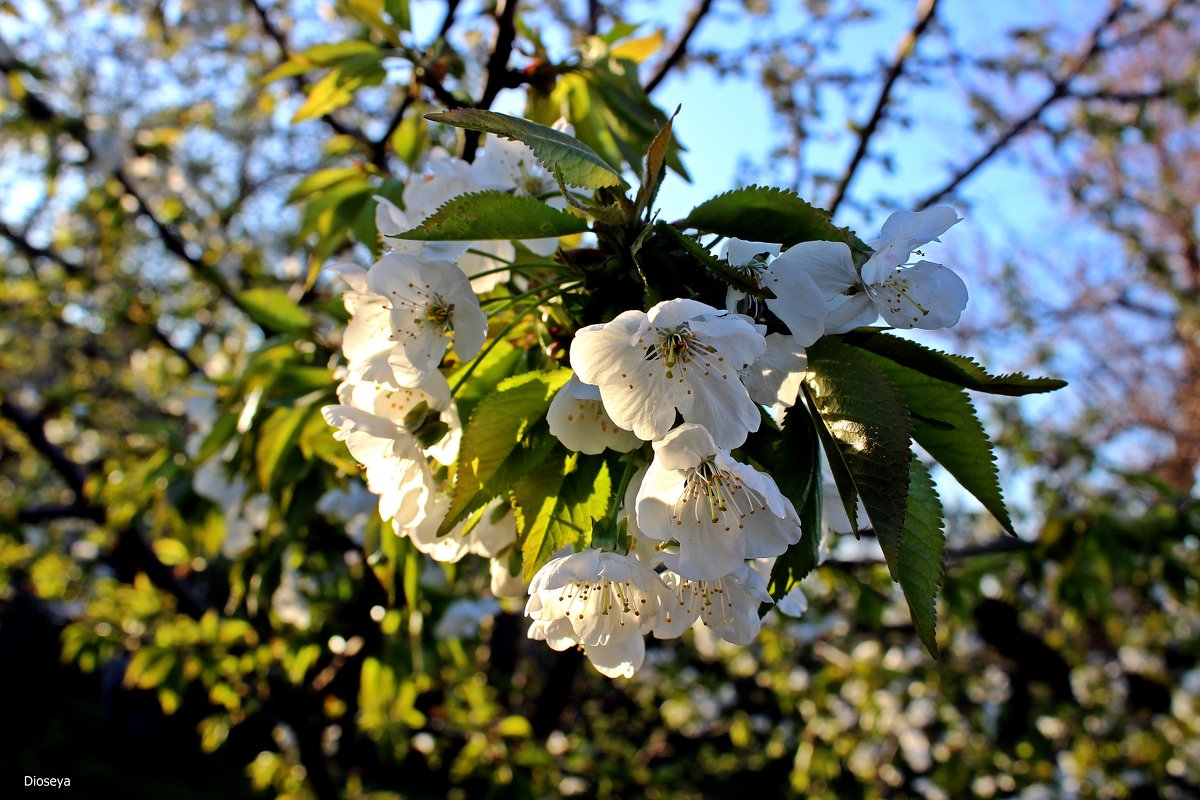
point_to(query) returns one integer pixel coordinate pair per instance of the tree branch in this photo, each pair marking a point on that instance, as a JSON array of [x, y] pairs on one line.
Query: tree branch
[[1059, 89], [301, 85], [498, 74], [679, 49], [132, 546], [21, 242], [953, 555], [908, 46]]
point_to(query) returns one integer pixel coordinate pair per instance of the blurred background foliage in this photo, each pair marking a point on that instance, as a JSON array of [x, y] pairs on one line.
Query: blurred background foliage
[[183, 612]]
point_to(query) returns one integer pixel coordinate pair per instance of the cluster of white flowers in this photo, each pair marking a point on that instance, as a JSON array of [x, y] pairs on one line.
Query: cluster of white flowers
[[691, 379], [395, 411]]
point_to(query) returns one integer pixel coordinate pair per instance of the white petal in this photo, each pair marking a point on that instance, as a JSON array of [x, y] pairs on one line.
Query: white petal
[[926, 295], [622, 656], [354, 275], [389, 219], [739, 251], [775, 378], [578, 419], [915, 228], [684, 447], [829, 264], [798, 302]]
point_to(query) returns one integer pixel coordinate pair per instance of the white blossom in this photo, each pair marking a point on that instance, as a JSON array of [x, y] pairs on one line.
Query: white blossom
[[729, 605], [351, 506], [484, 533], [509, 165], [921, 295], [244, 517], [462, 617], [775, 377], [798, 302], [603, 603], [681, 356], [577, 417], [719, 511], [395, 403], [395, 466], [288, 601], [427, 301]]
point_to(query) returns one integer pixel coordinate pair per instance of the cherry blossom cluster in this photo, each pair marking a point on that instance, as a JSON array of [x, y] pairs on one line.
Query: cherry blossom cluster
[[419, 301], [693, 380], [689, 379]]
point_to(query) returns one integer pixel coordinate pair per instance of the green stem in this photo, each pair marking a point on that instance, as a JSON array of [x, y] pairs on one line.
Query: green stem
[[475, 362], [510, 267], [509, 301]]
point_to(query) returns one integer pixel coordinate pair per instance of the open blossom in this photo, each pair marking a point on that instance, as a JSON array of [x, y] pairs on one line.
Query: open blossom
[[395, 404], [395, 466], [798, 302], [728, 605], [443, 179], [774, 379], [577, 417], [428, 301], [720, 512], [683, 356], [603, 603], [921, 295]]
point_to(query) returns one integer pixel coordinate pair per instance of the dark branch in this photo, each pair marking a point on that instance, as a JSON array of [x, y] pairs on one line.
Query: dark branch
[[498, 74], [132, 546], [33, 426], [679, 49], [298, 82], [953, 555], [908, 46], [1059, 89]]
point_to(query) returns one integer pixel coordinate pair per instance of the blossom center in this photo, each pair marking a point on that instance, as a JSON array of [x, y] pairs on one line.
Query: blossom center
[[714, 494], [589, 598], [439, 313], [678, 346], [704, 599]]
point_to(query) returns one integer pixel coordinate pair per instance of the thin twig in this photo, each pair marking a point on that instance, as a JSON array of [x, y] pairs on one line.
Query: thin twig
[[1058, 90], [280, 38], [908, 46], [953, 555], [679, 49]]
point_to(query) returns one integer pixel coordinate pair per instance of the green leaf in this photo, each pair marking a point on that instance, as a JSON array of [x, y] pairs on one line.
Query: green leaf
[[921, 554], [338, 87], [324, 179], [958, 370], [149, 667], [280, 433], [653, 170], [865, 427], [794, 460], [327, 55], [499, 444], [575, 161], [718, 267], [945, 424], [501, 362], [763, 214], [274, 310], [556, 505], [494, 215], [399, 12], [296, 65]]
